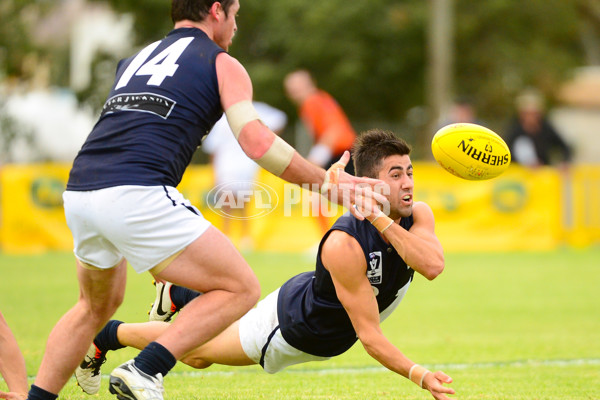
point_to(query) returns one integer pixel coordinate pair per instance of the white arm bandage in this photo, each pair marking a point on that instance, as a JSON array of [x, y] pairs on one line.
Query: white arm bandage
[[239, 114], [277, 158]]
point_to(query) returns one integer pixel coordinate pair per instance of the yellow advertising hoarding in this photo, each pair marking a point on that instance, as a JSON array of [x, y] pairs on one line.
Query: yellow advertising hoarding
[[582, 209], [521, 210], [32, 218]]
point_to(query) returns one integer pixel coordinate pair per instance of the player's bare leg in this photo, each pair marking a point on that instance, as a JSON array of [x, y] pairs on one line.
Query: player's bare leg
[[224, 349], [138, 335], [213, 266], [12, 362], [101, 293]]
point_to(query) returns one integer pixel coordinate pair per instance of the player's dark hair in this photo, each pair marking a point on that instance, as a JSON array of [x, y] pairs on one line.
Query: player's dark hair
[[195, 10], [372, 146]]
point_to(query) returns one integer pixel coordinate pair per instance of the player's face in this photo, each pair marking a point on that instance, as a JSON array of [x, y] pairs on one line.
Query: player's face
[[397, 172], [227, 27]]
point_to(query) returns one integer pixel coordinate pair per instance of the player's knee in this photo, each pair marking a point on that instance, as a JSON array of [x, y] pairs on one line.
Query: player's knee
[[101, 311], [94, 316], [246, 288], [196, 362], [252, 292], [111, 305], [115, 302]]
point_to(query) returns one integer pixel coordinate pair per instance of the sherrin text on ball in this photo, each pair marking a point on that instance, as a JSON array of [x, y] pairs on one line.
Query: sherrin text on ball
[[470, 151]]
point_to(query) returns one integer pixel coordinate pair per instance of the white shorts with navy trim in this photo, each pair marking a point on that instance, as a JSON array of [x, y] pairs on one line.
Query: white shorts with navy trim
[[262, 340], [144, 224]]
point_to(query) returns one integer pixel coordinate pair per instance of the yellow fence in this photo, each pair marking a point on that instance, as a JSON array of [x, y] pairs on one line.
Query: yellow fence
[[520, 210]]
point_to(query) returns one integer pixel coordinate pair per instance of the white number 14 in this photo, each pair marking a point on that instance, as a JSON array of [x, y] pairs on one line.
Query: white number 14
[[161, 66]]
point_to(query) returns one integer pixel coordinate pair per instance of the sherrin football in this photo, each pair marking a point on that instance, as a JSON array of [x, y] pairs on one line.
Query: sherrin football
[[470, 151]]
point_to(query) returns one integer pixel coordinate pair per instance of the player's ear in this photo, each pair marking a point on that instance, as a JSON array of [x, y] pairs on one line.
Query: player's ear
[[216, 10]]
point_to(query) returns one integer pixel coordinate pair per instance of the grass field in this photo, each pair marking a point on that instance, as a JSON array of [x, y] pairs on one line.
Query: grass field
[[504, 326]]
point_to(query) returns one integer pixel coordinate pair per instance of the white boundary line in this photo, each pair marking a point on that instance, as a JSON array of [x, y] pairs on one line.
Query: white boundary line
[[379, 369]]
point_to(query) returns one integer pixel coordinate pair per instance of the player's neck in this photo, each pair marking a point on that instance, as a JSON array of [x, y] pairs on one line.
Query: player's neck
[[186, 23]]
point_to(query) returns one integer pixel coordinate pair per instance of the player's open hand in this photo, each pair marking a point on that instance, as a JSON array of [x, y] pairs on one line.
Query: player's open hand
[[13, 395], [368, 206], [434, 382], [341, 187]]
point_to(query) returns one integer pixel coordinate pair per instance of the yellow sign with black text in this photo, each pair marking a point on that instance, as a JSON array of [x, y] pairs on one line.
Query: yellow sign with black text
[[523, 209]]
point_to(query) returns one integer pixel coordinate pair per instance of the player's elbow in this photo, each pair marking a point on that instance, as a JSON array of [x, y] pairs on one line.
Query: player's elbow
[[435, 268], [371, 346], [370, 335]]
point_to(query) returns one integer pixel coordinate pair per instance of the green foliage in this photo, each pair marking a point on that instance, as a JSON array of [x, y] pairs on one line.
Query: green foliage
[[503, 46], [152, 18], [15, 43], [12, 134], [357, 50], [370, 54]]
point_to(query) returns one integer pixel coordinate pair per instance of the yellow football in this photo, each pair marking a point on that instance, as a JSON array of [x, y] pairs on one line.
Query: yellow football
[[470, 151]]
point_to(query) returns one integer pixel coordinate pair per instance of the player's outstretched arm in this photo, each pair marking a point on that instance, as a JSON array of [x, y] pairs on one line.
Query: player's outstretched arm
[[343, 257], [269, 150]]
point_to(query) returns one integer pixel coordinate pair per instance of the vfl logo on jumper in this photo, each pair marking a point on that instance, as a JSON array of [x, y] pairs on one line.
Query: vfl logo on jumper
[[482, 155], [143, 102], [242, 199], [375, 271]]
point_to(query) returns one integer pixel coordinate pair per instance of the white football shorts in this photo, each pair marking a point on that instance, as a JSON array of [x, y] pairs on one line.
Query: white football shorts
[[144, 224], [262, 340]]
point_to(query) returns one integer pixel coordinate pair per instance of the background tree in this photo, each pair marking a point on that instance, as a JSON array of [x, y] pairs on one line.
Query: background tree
[[15, 38], [503, 46], [371, 54]]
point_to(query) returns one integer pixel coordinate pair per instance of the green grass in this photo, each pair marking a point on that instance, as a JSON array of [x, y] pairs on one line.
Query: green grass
[[504, 326]]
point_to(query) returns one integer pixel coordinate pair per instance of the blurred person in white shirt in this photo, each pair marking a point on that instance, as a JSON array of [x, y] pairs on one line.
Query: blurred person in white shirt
[[234, 172]]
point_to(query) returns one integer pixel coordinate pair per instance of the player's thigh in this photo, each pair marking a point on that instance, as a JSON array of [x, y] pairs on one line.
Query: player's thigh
[[210, 262]]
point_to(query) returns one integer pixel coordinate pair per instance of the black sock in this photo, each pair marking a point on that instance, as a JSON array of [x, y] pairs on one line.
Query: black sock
[[37, 393], [180, 296], [155, 358], [106, 339]]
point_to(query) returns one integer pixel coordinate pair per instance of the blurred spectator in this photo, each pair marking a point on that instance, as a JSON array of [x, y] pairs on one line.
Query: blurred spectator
[[12, 364], [324, 118], [462, 110], [234, 171], [532, 138]]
